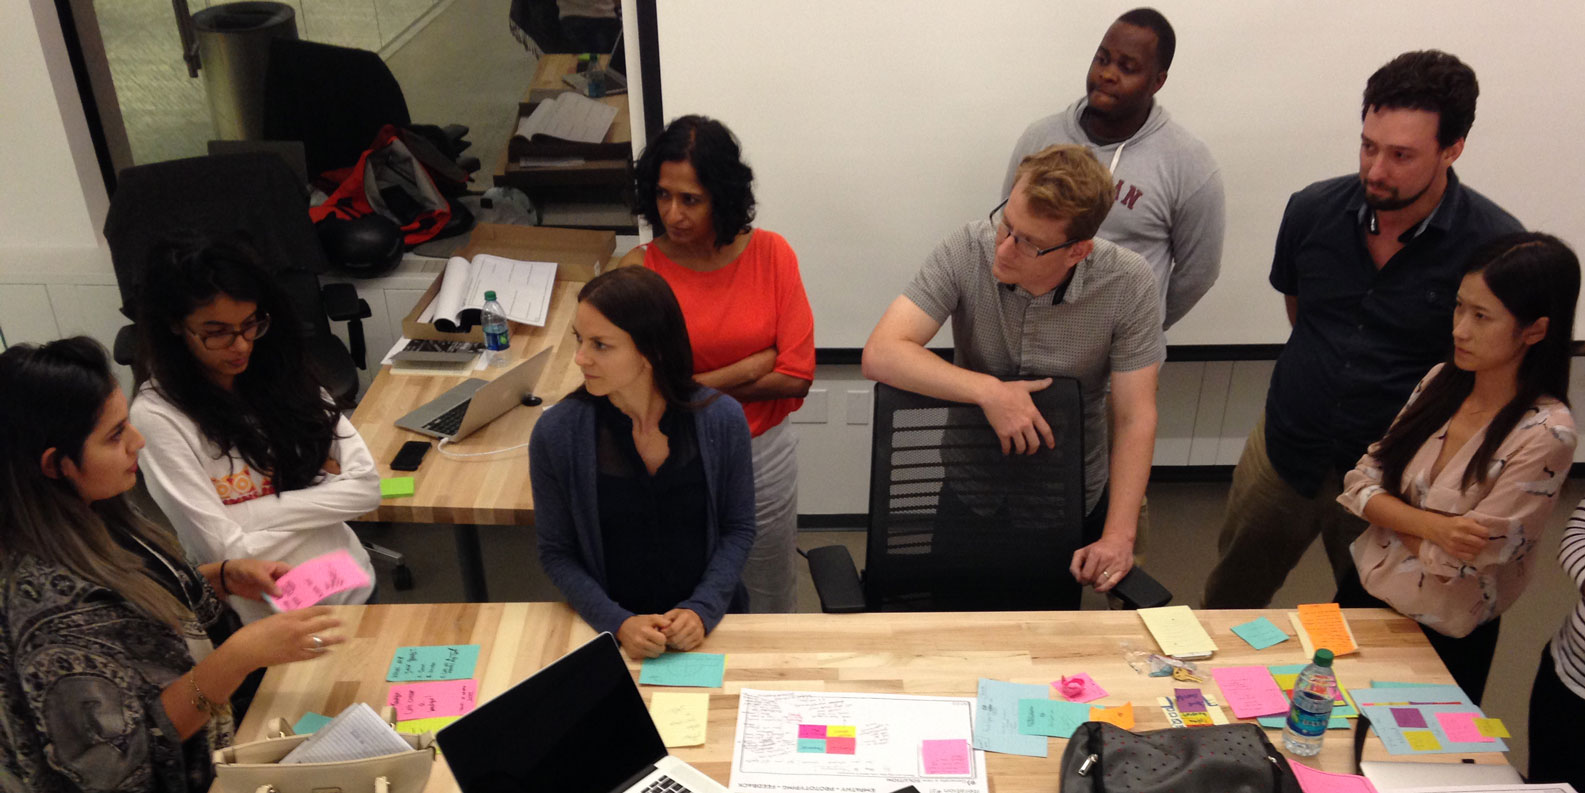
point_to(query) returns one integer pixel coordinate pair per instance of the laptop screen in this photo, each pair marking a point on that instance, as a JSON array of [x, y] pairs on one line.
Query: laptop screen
[[577, 726]]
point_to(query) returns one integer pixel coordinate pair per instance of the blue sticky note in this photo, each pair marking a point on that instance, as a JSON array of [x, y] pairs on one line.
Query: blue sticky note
[[435, 662], [1051, 717], [811, 746], [996, 718], [701, 670], [309, 723], [1260, 633]]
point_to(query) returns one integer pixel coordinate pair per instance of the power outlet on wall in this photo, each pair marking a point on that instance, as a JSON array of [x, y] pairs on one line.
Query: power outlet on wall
[[814, 408]]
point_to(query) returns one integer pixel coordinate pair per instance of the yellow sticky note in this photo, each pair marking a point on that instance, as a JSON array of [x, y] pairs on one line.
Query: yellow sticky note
[[1197, 719], [421, 726], [1121, 716], [1492, 728], [841, 731], [1422, 741], [681, 717]]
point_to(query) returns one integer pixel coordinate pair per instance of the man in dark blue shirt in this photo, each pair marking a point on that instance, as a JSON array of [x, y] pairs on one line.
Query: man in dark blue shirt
[[1369, 266]]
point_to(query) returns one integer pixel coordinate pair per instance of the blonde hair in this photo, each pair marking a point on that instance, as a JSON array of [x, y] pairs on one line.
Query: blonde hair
[[1067, 182]]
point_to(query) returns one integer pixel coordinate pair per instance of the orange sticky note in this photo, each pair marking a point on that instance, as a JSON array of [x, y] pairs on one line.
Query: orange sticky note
[[1492, 728], [1327, 628], [1121, 716]]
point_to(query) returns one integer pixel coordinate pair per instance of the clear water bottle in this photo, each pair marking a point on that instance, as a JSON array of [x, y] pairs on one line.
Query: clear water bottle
[[1311, 710], [497, 336], [595, 77]]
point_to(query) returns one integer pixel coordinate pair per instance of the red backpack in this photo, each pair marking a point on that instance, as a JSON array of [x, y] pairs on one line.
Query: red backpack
[[392, 180]]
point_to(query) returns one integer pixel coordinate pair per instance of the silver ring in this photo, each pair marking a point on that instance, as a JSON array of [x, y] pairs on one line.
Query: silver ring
[[319, 644], [1104, 574]]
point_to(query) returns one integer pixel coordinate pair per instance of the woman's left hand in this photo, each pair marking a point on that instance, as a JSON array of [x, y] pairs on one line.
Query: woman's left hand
[[254, 578], [686, 630]]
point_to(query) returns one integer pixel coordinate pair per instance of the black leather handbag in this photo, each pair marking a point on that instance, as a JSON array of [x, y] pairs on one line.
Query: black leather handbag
[[1231, 758]]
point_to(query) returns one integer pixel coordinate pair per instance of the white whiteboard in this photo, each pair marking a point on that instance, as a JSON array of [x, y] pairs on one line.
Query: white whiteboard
[[875, 127]]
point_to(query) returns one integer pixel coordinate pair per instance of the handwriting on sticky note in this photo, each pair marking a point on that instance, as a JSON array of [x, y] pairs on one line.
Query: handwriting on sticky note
[[1421, 740], [1250, 690], [433, 699], [317, 579], [1409, 717], [1492, 728], [1078, 688], [1260, 633], [996, 718], [700, 670], [1460, 728], [1189, 700], [436, 662], [1178, 631], [310, 723], [1327, 627], [681, 717], [1121, 715], [945, 757], [1051, 717]]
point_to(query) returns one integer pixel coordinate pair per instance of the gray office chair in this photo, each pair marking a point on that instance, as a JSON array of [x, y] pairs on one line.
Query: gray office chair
[[955, 524]]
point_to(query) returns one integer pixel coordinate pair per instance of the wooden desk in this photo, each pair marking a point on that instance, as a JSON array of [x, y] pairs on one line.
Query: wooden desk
[[929, 654]]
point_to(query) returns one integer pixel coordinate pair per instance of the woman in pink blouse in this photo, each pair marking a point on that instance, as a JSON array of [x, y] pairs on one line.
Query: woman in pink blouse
[[1459, 490]]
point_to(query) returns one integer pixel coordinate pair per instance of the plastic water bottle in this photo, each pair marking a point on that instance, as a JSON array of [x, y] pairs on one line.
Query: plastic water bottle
[[595, 78], [1311, 710], [497, 336]]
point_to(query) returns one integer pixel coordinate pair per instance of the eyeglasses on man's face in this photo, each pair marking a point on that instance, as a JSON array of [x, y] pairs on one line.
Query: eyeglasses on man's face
[[222, 339], [1003, 231]]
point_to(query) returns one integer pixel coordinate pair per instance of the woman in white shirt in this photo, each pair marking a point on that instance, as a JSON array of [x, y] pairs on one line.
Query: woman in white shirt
[[247, 455]]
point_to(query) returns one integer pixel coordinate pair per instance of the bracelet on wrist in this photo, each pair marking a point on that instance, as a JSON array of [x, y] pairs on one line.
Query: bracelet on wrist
[[224, 589], [202, 703]]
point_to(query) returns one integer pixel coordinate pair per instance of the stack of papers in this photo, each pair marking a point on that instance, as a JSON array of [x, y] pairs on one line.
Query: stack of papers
[[357, 733], [1178, 631]]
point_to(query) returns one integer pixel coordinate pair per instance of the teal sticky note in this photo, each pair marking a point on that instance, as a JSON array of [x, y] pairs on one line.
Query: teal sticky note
[[436, 662], [309, 723], [1051, 717], [1260, 633], [996, 718], [396, 486], [701, 670], [1277, 722], [811, 746]]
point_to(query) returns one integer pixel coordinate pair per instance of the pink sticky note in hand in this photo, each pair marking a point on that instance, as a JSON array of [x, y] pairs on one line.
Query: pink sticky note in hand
[[1078, 688], [945, 757], [1460, 728], [317, 579], [1251, 691], [433, 699]]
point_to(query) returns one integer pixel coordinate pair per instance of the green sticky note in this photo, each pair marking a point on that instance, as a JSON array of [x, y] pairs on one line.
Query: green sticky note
[[702, 670], [1051, 717], [438, 662], [309, 723], [396, 486]]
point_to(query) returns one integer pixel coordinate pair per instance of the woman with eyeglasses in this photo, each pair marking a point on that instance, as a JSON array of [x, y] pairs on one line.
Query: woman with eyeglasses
[[116, 657], [247, 455], [748, 318]]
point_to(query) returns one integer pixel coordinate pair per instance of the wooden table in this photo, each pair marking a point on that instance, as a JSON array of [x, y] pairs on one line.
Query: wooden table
[[927, 654], [479, 491]]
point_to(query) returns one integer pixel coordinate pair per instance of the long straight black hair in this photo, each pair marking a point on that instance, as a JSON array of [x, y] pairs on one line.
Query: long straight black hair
[[641, 303], [276, 417], [1535, 275]]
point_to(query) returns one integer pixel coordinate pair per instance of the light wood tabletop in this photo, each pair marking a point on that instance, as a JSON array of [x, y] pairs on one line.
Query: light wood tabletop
[[925, 654]]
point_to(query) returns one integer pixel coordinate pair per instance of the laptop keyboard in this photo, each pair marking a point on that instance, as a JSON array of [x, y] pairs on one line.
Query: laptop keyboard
[[449, 422], [665, 784]]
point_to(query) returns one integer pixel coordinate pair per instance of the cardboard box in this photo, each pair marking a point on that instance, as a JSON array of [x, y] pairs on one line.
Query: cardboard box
[[578, 255]]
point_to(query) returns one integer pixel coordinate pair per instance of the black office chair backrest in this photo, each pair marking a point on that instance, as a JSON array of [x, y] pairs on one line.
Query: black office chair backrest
[[333, 99], [957, 525]]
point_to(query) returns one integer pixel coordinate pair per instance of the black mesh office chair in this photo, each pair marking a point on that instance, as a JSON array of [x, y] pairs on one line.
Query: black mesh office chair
[[955, 524]]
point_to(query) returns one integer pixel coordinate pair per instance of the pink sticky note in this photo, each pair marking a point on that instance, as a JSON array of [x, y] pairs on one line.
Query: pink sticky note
[[1078, 688], [811, 731], [1313, 781], [1251, 691], [1460, 727], [946, 757], [841, 745], [433, 699], [317, 579]]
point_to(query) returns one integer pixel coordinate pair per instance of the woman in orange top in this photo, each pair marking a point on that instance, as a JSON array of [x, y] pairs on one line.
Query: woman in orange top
[[747, 315]]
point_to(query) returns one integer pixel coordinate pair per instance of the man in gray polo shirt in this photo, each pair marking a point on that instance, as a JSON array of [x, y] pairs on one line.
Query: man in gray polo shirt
[[1032, 292]]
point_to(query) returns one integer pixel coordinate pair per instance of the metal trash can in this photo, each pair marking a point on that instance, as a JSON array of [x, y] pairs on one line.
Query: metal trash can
[[234, 52]]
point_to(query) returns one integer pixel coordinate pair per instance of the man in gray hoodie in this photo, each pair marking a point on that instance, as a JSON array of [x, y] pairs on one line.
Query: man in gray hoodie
[[1169, 206]]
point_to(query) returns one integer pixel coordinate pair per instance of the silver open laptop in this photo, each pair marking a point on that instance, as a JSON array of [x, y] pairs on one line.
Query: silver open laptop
[[474, 403], [576, 726]]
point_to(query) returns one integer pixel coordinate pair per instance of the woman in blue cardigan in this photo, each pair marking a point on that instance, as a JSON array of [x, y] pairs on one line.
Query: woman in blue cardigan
[[643, 481]]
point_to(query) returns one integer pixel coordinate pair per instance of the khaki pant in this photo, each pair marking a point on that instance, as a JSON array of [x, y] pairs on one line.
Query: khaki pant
[[1268, 527]]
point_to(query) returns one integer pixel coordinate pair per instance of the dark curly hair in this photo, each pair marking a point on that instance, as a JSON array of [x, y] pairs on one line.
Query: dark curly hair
[[1427, 80], [713, 151]]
